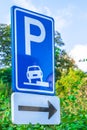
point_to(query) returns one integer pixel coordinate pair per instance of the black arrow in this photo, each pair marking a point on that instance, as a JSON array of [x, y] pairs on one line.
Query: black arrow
[[51, 109]]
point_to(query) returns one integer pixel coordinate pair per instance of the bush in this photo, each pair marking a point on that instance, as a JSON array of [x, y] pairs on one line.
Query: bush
[[73, 96], [72, 90]]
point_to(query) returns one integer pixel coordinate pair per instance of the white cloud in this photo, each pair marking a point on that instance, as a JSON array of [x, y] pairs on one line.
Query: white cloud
[[27, 4], [79, 54], [60, 23], [47, 11], [63, 17]]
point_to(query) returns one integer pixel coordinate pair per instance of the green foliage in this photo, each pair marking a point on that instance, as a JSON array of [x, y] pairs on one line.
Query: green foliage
[[5, 76], [62, 61], [69, 83], [58, 39], [72, 90], [5, 45], [71, 87]]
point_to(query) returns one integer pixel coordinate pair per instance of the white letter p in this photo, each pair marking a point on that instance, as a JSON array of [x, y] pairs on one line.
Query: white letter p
[[29, 37]]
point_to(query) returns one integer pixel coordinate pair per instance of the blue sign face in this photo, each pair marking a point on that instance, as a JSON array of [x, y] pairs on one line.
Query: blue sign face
[[33, 52]]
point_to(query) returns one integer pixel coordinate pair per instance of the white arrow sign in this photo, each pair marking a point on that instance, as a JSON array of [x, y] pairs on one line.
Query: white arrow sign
[[32, 108]]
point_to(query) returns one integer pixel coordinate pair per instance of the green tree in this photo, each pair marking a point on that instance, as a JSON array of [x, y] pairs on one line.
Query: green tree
[[5, 45], [72, 90], [70, 82], [58, 40], [62, 61], [58, 43], [5, 76]]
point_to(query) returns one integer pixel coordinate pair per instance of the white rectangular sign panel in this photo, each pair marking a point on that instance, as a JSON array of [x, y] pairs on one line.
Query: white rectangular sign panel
[[32, 108]]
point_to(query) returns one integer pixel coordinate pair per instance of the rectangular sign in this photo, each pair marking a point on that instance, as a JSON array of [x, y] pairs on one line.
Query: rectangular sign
[[33, 52], [33, 108]]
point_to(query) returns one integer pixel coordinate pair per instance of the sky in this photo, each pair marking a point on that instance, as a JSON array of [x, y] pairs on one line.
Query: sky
[[70, 18]]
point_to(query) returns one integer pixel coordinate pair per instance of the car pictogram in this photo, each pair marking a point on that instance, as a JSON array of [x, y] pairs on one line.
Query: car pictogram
[[33, 73]]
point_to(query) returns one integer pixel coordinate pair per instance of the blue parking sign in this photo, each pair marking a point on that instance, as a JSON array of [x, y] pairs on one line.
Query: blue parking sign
[[33, 52]]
